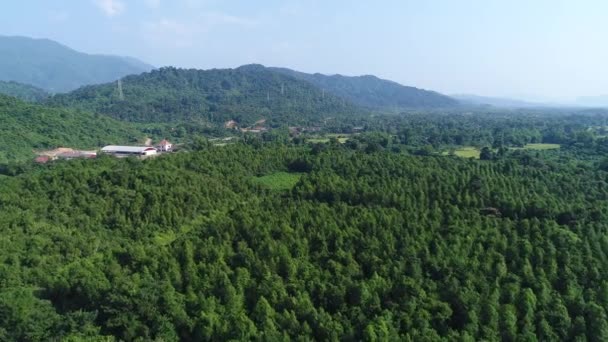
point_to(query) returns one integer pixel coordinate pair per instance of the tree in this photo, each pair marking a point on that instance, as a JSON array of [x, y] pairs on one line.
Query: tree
[[486, 154]]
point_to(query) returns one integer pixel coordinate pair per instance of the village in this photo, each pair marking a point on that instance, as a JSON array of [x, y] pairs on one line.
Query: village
[[118, 151], [148, 149]]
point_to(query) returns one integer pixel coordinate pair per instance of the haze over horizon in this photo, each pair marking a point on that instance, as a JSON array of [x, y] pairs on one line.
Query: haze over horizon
[[540, 51]]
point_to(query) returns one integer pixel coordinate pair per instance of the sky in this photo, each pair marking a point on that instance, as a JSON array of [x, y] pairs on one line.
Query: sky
[[548, 50]]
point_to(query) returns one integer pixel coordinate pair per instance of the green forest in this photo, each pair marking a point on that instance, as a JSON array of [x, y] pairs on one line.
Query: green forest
[[25, 127], [245, 94], [341, 220], [269, 240], [24, 92], [428, 172], [372, 92]]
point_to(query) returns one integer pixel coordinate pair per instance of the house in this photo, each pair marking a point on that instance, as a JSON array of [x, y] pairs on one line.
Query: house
[[164, 146], [42, 159], [231, 124], [129, 150]]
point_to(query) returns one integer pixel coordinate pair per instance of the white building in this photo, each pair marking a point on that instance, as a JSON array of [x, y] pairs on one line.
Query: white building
[[164, 146], [129, 150]]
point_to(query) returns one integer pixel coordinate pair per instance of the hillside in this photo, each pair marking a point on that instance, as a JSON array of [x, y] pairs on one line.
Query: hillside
[[56, 68], [373, 92], [24, 127], [245, 94], [24, 92]]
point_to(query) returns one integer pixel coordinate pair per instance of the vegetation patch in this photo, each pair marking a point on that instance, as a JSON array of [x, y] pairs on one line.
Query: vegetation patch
[[464, 152], [279, 181], [542, 146], [25, 127], [473, 152], [342, 138]]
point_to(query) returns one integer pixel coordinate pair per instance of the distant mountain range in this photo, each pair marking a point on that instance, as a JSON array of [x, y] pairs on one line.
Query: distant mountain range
[[467, 99], [499, 102], [593, 101], [56, 68], [373, 92]]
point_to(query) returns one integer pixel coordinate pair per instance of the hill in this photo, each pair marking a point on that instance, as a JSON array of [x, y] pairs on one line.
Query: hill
[[24, 92], [373, 92], [56, 68], [25, 126], [245, 94]]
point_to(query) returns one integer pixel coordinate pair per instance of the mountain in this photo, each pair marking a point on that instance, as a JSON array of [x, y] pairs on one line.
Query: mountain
[[25, 126], [25, 92], [495, 101], [57, 68], [373, 92], [245, 94]]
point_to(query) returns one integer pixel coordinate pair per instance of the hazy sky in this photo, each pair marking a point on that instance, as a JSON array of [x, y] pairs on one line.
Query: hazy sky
[[546, 49]]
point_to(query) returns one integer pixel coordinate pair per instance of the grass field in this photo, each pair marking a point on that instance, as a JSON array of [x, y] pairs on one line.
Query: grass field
[[318, 140], [279, 181], [342, 138], [465, 152]]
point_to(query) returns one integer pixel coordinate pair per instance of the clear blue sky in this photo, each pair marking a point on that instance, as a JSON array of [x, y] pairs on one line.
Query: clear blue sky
[[550, 49]]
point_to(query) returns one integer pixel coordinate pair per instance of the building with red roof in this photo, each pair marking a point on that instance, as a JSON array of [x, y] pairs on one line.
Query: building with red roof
[[164, 146]]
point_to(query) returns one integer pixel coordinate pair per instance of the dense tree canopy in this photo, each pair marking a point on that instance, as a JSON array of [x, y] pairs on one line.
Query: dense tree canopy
[[350, 227], [245, 94], [25, 127], [23, 91], [373, 92], [374, 245]]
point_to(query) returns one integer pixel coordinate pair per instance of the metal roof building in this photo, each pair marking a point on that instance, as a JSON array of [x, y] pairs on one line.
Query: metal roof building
[[133, 150]]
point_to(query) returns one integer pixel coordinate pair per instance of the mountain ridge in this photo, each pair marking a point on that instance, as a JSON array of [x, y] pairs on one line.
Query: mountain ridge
[[373, 92], [245, 94], [55, 67]]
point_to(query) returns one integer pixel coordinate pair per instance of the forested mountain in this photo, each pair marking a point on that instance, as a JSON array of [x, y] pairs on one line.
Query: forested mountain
[[22, 91], [244, 94], [376, 246], [373, 92], [56, 68], [25, 126]]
